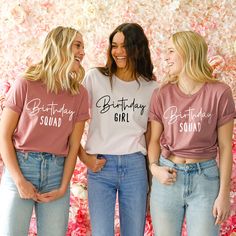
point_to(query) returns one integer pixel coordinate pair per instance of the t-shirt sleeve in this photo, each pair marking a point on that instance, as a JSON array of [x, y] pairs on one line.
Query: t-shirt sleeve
[[227, 109], [15, 98], [155, 108], [83, 110], [87, 83]]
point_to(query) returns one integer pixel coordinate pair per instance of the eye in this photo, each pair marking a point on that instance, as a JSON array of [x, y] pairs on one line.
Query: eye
[[113, 46]]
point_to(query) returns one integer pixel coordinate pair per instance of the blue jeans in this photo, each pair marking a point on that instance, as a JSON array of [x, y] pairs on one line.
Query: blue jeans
[[125, 176], [192, 195], [44, 171]]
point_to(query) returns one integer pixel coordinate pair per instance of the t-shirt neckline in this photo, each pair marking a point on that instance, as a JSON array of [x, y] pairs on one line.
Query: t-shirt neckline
[[182, 94]]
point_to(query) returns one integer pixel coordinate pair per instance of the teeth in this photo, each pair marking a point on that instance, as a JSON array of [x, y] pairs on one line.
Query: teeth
[[121, 58], [77, 59], [170, 64]]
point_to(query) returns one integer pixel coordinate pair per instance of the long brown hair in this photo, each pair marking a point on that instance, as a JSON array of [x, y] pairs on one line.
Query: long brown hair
[[137, 49]]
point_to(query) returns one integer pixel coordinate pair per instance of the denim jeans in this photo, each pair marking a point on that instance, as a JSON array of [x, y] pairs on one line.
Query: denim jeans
[[44, 171], [191, 196], [125, 176]]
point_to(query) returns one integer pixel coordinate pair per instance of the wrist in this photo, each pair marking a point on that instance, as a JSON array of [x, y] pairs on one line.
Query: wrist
[[19, 180], [153, 163], [63, 189]]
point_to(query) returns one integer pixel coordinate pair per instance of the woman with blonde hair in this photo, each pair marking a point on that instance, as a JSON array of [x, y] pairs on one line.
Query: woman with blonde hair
[[191, 118], [41, 127]]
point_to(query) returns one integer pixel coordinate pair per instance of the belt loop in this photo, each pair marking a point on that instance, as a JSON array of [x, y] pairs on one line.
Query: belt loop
[[26, 156], [199, 168]]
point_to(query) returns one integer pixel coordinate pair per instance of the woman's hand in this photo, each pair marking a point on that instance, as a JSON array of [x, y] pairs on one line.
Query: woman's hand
[[94, 164], [91, 161], [164, 174], [221, 209], [50, 196], [26, 190]]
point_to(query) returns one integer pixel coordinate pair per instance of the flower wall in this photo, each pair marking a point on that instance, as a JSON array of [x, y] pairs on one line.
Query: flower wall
[[24, 25]]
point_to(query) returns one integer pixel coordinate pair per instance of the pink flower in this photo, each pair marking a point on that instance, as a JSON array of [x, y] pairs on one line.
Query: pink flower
[[148, 226], [217, 63], [19, 14]]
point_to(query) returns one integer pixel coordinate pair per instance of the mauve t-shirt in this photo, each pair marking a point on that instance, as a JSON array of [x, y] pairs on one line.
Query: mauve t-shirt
[[46, 119], [190, 122]]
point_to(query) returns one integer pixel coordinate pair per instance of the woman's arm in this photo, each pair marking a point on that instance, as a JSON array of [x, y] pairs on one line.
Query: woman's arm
[[70, 162], [91, 161], [154, 148], [163, 174], [148, 133], [9, 120], [221, 209]]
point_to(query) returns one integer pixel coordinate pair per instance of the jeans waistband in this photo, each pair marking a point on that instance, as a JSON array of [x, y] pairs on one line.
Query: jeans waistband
[[188, 167], [38, 155], [135, 154]]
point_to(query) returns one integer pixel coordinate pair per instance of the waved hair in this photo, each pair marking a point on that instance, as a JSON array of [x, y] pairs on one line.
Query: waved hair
[[55, 67], [193, 49], [137, 50]]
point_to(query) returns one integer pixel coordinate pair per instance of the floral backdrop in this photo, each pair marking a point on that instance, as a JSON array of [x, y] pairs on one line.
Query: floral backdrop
[[24, 25]]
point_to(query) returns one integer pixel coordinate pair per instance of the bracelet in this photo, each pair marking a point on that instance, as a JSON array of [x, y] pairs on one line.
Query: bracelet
[[153, 163]]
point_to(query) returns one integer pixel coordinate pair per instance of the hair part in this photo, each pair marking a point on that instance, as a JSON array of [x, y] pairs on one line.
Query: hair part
[[137, 50], [55, 68]]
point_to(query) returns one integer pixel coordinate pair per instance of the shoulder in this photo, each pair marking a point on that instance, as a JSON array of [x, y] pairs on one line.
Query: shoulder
[[94, 72], [165, 88], [22, 82], [82, 90], [152, 84], [19, 84], [93, 78], [218, 87]]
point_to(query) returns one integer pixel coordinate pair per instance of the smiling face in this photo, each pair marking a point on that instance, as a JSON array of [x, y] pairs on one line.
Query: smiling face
[[78, 52], [118, 51], [174, 59]]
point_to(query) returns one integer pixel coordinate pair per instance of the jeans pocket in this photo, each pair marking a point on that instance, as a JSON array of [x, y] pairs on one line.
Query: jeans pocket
[[211, 173]]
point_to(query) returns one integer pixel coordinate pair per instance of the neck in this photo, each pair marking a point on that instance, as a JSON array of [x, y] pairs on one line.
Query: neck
[[189, 86], [125, 75]]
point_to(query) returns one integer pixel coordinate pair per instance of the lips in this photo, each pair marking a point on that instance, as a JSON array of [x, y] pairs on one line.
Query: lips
[[120, 58], [78, 59]]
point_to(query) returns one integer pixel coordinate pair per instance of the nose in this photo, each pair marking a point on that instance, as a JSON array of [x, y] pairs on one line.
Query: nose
[[166, 58], [120, 50], [82, 52]]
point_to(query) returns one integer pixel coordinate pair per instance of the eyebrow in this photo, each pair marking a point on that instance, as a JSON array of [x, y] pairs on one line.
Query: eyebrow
[[118, 43], [77, 41]]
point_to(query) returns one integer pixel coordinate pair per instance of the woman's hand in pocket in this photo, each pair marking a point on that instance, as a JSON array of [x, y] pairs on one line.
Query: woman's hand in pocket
[[94, 164], [164, 174]]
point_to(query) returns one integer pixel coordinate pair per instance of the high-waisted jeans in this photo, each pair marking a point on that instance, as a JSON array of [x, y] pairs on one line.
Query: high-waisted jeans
[[125, 176], [44, 171], [192, 195]]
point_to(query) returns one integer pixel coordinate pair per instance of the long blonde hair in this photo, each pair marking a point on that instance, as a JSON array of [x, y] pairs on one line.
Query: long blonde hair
[[193, 50], [54, 70]]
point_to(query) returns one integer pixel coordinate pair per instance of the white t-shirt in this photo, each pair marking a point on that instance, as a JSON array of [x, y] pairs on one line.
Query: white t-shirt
[[119, 114]]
